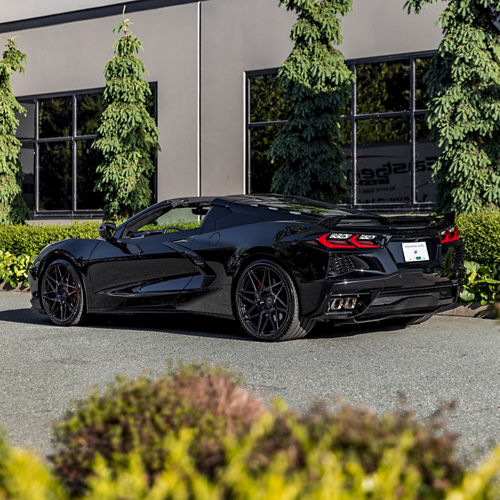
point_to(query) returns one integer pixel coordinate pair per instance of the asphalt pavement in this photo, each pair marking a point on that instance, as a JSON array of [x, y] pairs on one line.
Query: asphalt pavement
[[43, 367]]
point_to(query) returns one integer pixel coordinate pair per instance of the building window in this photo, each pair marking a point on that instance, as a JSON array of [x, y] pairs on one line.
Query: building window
[[58, 161], [389, 157]]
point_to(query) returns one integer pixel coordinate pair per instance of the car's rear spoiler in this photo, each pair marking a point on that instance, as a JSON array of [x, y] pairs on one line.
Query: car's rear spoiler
[[391, 221]]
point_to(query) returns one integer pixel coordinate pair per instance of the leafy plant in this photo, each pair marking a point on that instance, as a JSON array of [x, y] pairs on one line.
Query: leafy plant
[[12, 206], [137, 416], [316, 83], [14, 270], [127, 134], [482, 283], [480, 233], [464, 106], [31, 239]]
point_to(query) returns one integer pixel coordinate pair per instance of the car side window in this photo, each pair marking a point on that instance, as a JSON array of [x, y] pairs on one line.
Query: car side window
[[175, 220]]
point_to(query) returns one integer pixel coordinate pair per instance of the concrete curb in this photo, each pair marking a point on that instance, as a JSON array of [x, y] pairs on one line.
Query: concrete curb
[[474, 310]]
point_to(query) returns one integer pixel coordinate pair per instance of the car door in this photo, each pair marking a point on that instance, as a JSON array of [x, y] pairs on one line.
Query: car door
[[145, 271]]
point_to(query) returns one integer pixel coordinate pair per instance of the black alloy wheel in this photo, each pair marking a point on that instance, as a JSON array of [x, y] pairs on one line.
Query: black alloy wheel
[[267, 304], [62, 293]]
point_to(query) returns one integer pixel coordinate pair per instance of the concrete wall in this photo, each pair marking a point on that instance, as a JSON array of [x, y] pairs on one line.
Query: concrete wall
[[72, 56], [236, 36], [14, 10]]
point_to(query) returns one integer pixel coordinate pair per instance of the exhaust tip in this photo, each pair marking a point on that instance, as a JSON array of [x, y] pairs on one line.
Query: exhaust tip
[[344, 303]]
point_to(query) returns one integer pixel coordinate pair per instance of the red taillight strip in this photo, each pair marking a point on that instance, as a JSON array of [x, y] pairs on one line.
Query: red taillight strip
[[450, 236], [323, 239], [352, 242]]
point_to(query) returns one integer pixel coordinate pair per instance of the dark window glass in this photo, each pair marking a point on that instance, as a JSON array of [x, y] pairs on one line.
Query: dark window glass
[[422, 65], [88, 113], [27, 159], [55, 175], [267, 103], [384, 161], [262, 170], [383, 87], [426, 156], [55, 117], [150, 101], [346, 135], [26, 128], [87, 160]]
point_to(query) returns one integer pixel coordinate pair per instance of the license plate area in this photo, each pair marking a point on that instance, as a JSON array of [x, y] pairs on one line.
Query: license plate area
[[415, 251]]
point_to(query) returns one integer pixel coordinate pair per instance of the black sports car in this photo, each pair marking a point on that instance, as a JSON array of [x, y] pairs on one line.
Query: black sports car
[[278, 264]]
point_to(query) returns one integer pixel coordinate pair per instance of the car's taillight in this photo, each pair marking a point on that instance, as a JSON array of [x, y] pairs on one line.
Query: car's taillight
[[343, 240], [450, 235]]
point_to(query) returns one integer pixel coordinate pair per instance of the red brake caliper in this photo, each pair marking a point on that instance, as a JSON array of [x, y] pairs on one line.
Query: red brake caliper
[[259, 286]]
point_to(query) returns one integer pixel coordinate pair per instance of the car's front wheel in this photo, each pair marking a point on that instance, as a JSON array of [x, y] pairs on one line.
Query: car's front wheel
[[267, 303], [62, 294]]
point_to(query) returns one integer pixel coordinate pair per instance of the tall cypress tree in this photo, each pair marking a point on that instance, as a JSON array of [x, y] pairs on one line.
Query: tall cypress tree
[[127, 134], [317, 82], [13, 209], [464, 105]]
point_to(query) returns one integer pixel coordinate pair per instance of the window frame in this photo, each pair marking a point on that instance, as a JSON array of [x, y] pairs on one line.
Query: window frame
[[412, 113], [74, 138]]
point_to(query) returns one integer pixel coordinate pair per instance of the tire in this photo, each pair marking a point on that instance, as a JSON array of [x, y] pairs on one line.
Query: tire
[[416, 320], [61, 293], [267, 303]]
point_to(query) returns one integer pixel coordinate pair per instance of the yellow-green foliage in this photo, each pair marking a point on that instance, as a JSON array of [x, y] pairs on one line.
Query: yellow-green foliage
[[14, 270], [327, 473]]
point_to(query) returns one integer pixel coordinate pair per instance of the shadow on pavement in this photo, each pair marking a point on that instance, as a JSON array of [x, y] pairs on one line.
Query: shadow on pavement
[[192, 324]]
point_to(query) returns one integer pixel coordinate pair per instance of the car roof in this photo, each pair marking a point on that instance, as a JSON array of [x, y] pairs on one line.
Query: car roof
[[296, 205]]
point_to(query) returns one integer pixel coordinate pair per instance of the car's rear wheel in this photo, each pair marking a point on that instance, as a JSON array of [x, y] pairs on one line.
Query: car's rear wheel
[[267, 303], [62, 294]]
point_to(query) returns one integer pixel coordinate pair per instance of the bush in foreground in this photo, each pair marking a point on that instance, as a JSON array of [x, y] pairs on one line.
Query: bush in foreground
[[141, 416], [326, 473], [136, 415]]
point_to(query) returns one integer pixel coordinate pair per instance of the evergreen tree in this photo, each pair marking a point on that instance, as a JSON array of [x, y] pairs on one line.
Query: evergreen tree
[[317, 82], [464, 105], [13, 209], [127, 134]]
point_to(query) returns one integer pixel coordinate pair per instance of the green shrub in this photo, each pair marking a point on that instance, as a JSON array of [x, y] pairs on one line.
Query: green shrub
[[30, 240], [482, 283], [24, 477], [327, 473], [14, 270], [481, 236], [195, 434], [136, 415], [358, 435]]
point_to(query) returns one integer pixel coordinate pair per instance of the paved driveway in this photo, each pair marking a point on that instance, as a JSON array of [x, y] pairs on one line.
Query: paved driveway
[[446, 359]]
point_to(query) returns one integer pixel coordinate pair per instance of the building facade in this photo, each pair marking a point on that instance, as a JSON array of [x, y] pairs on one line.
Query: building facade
[[212, 68]]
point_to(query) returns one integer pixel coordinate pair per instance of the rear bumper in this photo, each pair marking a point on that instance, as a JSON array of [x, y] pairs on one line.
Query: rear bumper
[[402, 294]]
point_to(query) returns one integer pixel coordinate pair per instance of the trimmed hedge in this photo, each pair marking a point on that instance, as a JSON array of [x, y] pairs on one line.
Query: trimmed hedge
[[481, 236], [31, 239]]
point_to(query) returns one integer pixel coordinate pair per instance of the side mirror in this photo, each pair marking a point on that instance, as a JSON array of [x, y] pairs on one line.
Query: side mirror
[[107, 230]]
